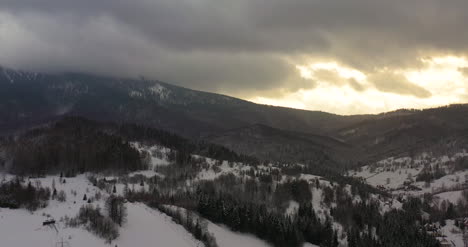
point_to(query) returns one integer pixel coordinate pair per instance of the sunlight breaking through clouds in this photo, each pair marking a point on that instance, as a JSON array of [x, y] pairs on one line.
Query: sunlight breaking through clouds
[[294, 53], [440, 81]]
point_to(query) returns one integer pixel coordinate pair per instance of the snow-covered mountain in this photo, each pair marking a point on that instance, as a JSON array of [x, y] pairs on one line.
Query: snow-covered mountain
[[211, 194]]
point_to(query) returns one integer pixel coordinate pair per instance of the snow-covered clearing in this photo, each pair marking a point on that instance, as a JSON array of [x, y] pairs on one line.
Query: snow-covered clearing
[[144, 227], [157, 154], [452, 233], [227, 238], [451, 196], [396, 174], [149, 227]]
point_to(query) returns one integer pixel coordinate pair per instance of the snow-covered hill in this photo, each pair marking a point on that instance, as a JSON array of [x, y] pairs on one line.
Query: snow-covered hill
[[443, 178], [276, 195], [404, 175], [145, 226]]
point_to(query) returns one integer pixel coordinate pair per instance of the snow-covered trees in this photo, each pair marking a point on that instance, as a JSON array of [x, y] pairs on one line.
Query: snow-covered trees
[[92, 218], [275, 227], [61, 196], [16, 195], [193, 224]]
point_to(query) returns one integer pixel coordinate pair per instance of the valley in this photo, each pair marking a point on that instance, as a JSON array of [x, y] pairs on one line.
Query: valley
[[155, 164]]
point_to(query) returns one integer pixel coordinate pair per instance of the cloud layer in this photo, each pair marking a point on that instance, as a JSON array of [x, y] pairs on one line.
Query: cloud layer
[[246, 48]]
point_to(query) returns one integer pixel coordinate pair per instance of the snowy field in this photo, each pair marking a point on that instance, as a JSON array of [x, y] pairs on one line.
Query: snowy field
[[394, 173], [398, 176], [144, 227]]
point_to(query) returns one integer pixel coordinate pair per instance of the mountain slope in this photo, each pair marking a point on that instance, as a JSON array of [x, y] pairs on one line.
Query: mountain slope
[[30, 99], [409, 132], [33, 98], [269, 143]]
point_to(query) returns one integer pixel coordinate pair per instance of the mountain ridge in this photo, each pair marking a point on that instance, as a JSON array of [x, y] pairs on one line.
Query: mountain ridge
[[30, 99]]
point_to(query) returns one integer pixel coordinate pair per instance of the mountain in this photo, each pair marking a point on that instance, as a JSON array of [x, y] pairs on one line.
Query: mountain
[[267, 132], [409, 132], [211, 201], [75, 144], [33, 97], [269, 143]]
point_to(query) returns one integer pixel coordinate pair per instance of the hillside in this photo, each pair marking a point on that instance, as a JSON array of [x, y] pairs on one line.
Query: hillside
[[144, 226], [30, 98], [281, 204], [266, 132], [272, 144], [267, 175]]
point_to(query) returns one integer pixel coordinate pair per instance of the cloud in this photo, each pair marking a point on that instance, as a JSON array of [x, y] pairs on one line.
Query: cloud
[[329, 76], [356, 85], [241, 47], [464, 71], [396, 83]]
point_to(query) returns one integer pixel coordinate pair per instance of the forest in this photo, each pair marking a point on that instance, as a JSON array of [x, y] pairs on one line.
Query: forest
[[76, 145], [253, 201]]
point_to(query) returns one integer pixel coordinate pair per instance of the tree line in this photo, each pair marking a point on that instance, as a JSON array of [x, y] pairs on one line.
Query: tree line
[[14, 194]]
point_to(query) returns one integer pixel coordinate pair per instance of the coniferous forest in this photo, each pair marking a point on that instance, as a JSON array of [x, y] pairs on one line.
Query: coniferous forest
[[254, 200]]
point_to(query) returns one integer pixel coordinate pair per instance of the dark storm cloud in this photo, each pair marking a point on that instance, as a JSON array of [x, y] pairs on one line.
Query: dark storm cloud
[[243, 45]]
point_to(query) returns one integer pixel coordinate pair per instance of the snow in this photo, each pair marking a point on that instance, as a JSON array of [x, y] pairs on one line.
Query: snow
[[317, 204], [16, 224], [146, 173], [392, 173], [227, 238], [292, 208], [149, 227], [395, 178], [158, 154], [309, 177], [453, 234], [215, 171], [382, 175], [209, 174], [5, 72], [135, 94], [451, 196], [160, 91], [448, 182], [223, 235], [144, 227]]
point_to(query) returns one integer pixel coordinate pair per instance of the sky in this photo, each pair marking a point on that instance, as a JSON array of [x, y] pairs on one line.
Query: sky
[[345, 57]]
